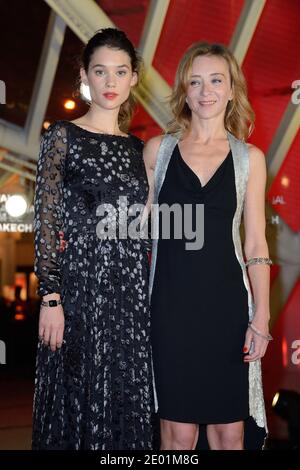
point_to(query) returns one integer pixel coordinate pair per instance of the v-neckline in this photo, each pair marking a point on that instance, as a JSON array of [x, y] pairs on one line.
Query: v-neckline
[[196, 176]]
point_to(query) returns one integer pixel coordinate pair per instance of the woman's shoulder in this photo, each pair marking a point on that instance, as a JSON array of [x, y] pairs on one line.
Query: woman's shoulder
[[55, 137], [257, 159], [151, 150], [136, 140], [152, 145], [255, 153], [56, 128]]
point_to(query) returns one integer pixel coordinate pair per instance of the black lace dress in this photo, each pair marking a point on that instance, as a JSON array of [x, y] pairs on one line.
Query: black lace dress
[[96, 391]]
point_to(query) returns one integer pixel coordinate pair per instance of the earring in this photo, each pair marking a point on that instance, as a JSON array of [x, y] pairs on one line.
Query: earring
[[85, 92]]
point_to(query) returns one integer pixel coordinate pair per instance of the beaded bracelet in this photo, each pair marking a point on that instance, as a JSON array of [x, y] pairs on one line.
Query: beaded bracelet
[[258, 261], [255, 330]]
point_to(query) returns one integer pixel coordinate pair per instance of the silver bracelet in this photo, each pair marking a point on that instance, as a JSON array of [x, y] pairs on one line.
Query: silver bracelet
[[256, 331], [251, 261]]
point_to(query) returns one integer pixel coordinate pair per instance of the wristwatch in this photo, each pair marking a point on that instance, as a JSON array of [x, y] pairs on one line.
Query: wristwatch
[[51, 303]]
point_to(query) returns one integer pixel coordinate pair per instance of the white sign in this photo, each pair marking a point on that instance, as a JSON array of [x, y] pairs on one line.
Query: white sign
[[2, 352], [8, 223]]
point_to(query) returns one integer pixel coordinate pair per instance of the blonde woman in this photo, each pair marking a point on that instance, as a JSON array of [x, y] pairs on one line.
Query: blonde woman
[[209, 329]]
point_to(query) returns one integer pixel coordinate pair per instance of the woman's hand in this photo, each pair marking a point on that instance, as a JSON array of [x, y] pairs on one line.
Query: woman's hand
[[257, 343], [51, 326]]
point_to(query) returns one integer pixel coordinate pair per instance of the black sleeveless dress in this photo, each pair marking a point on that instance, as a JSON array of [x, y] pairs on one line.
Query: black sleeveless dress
[[199, 306]]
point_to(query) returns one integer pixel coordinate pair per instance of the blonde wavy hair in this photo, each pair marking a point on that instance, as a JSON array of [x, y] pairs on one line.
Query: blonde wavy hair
[[239, 115]]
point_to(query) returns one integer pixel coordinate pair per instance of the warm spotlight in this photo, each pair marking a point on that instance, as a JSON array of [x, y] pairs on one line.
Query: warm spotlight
[[69, 104], [16, 205], [275, 399], [285, 181], [19, 316]]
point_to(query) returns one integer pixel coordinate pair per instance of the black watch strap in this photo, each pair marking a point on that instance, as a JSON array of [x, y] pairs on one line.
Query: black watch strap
[[51, 303]]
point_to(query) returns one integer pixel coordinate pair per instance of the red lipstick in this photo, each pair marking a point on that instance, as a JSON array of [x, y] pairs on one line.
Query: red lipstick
[[110, 95]]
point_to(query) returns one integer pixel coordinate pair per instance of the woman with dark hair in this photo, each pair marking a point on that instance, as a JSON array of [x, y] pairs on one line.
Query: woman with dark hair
[[94, 379], [209, 330]]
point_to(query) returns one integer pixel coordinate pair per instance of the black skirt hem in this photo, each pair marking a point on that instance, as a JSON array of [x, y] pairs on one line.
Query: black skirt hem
[[201, 421]]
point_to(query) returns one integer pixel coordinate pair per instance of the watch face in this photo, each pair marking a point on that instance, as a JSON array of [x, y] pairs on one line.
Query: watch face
[[52, 303]]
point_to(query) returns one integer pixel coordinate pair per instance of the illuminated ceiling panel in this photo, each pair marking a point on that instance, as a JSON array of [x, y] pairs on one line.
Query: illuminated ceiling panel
[[127, 15], [271, 65], [190, 21]]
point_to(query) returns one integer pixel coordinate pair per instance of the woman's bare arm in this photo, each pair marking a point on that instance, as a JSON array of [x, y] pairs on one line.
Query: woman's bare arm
[[256, 246]]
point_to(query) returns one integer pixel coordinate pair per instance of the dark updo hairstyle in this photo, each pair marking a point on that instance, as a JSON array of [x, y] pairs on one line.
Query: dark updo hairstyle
[[115, 39]]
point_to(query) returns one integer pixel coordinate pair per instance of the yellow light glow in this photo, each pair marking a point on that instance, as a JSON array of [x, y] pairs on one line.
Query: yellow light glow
[[69, 104], [16, 205], [275, 399], [19, 316], [285, 181]]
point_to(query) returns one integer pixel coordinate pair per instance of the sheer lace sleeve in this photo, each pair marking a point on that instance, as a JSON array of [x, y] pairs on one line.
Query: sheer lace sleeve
[[48, 208]]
